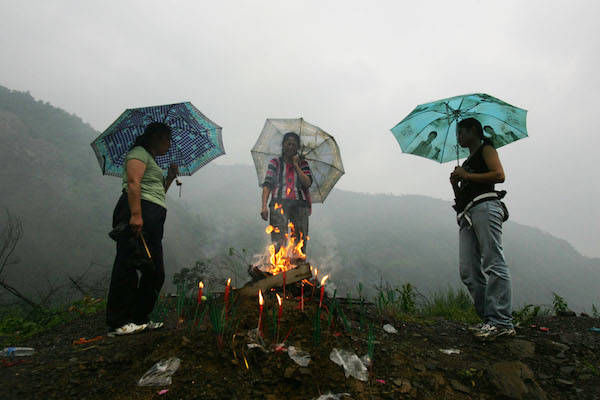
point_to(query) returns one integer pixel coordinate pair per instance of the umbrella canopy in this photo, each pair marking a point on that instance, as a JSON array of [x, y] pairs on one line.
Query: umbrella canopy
[[430, 129], [317, 147], [195, 139]]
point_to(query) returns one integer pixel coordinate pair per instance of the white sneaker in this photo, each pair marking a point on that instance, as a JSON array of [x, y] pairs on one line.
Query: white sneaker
[[476, 327], [127, 329], [151, 325], [490, 332]]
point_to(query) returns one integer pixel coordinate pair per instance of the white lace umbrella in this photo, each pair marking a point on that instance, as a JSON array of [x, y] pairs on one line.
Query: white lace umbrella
[[317, 147]]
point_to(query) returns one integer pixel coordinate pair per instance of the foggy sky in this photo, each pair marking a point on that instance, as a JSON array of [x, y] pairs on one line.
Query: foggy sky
[[353, 68]]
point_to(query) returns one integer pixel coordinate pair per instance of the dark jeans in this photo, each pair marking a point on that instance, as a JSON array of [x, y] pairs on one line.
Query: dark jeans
[[297, 215], [131, 299]]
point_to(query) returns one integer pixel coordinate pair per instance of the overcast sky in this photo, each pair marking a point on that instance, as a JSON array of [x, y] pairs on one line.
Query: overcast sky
[[354, 68]]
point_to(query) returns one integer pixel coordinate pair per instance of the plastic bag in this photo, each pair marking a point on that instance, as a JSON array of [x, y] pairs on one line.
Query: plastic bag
[[353, 366], [302, 358], [389, 328], [160, 373], [331, 396]]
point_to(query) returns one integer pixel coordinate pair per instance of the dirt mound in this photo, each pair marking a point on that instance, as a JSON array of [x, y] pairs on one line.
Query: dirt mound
[[560, 362]]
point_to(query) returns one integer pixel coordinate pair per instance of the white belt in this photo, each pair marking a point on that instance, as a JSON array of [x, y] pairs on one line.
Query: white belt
[[490, 195]]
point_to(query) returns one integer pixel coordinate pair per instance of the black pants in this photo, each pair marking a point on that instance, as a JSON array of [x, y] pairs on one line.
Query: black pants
[[131, 299], [297, 214]]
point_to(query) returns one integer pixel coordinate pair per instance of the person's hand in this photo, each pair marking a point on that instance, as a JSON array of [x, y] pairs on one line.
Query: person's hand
[[264, 213], [460, 172], [172, 172], [454, 179], [136, 223], [296, 159]]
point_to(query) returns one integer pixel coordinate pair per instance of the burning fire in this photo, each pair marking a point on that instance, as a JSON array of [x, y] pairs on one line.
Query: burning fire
[[289, 254], [324, 280], [261, 301], [278, 299]]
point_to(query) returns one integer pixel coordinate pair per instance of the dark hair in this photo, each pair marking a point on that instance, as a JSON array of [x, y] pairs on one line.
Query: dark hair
[[473, 125], [152, 131], [291, 135]]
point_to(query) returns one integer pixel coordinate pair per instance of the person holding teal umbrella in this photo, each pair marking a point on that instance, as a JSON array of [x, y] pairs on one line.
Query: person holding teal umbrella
[[473, 126], [480, 217]]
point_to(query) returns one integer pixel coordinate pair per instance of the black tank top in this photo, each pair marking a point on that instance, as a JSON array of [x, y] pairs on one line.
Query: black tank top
[[469, 189]]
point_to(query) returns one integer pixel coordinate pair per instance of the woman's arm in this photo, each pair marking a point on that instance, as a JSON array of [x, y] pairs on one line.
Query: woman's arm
[[304, 179], [171, 175], [264, 213], [495, 175], [135, 172]]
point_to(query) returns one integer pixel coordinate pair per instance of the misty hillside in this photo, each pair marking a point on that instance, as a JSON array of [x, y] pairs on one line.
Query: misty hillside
[[52, 181]]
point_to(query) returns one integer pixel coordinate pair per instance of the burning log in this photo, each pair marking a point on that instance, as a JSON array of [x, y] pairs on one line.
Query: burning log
[[292, 276]]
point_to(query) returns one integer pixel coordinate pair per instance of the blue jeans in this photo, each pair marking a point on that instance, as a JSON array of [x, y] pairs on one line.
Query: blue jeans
[[482, 266]]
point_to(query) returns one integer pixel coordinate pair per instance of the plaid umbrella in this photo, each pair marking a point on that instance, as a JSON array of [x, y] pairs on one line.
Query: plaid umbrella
[[195, 139]]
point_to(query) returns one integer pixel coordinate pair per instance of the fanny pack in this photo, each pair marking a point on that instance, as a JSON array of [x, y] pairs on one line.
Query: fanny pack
[[497, 195]]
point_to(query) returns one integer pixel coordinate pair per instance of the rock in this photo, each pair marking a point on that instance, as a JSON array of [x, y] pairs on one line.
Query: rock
[[403, 384], [419, 367], [567, 313], [521, 348], [456, 385], [514, 380], [546, 346], [564, 382], [289, 372], [397, 363], [567, 370], [437, 380]]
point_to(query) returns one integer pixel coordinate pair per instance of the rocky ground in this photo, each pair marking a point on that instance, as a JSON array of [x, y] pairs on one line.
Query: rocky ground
[[560, 362]]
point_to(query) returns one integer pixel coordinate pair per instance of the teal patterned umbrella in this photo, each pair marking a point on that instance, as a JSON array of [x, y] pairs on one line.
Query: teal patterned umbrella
[[430, 129], [195, 139]]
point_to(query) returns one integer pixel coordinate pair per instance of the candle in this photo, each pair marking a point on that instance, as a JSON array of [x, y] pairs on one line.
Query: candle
[[322, 289], [227, 288], [200, 287], [302, 296], [278, 314], [284, 283], [260, 302]]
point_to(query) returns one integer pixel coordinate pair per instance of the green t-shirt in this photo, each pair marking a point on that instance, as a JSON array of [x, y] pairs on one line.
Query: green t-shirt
[[153, 188]]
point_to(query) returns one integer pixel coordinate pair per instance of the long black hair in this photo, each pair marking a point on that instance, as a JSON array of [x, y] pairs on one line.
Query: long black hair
[[288, 135], [473, 125], [152, 131]]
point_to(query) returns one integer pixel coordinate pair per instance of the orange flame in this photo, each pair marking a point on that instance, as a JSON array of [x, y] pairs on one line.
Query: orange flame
[[277, 206], [278, 299], [269, 229], [288, 191], [324, 279], [261, 301], [228, 281], [201, 285]]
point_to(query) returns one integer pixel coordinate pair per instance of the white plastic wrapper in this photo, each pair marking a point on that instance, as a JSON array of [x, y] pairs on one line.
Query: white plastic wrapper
[[352, 364], [389, 328], [331, 396], [160, 373], [450, 351], [302, 358]]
